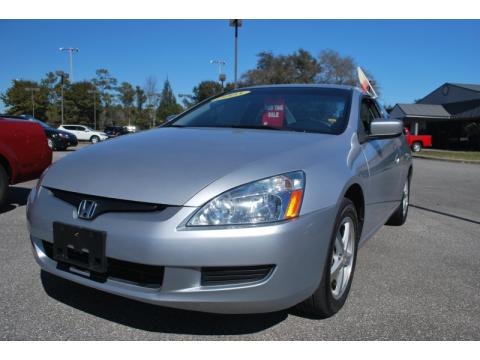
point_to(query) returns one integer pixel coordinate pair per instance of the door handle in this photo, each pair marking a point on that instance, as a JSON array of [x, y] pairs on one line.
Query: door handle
[[397, 159]]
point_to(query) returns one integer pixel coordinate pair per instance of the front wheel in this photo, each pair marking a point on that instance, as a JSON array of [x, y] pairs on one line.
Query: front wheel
[[3, 186], [94, 139], [417, 146], [337, 277], [399, 217]]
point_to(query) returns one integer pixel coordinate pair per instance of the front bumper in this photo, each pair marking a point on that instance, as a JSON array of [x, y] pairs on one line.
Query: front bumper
[[297, 248], [60, 143]]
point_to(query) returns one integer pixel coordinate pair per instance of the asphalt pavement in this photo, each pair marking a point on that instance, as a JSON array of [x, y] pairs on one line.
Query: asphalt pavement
[[420, 281]]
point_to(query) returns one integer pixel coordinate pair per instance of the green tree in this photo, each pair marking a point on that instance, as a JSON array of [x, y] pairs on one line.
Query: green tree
[[168, 103], [140, 98], [341, 70], [202, 91], [18, 100], [78, 103], [127, 97], [105, 83], [298, 68]]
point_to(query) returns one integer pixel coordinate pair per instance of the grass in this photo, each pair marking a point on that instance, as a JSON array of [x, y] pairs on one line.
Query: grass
[[454, 155]]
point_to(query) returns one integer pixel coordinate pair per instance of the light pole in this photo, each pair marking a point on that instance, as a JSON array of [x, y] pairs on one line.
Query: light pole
[[236, 23], [63, 76], [94, 92], [70, 52], [221, 75], [32, 90]]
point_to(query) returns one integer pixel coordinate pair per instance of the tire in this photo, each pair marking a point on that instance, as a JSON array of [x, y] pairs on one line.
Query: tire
[[330, 297], [417, 146], [399, 217], [94, 139], [3, 186]]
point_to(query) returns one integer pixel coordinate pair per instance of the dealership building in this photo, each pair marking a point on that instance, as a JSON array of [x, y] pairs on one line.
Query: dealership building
[[450, 113]]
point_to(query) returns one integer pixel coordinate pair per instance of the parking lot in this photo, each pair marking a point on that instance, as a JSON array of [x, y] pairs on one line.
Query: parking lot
[[416, 282]]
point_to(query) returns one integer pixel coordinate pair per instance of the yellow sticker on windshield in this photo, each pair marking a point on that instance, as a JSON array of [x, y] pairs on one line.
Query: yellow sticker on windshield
[[232, 95]]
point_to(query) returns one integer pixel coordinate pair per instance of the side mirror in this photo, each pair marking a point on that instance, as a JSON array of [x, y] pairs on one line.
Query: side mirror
[[384, 128]]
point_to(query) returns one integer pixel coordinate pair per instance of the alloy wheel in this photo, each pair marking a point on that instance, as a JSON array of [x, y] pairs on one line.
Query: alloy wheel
[[342, 257], [406, 191]]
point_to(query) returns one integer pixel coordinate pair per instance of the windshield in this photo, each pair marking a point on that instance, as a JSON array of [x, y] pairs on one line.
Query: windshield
[[44, 125], [309, 109]]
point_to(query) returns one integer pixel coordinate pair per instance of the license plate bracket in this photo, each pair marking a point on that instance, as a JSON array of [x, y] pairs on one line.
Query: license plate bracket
[[81, 247]]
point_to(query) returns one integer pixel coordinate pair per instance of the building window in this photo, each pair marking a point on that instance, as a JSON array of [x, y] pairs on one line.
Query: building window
[[445, 90]]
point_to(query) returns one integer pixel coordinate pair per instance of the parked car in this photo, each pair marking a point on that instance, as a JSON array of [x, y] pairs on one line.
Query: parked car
[[57, 139], [24, 153], [418, 142], [84, 133], [253, 201], [114, 131]]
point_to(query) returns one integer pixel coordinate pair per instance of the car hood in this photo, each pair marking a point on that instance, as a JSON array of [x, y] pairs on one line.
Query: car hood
[[66, 133], [171, 165]]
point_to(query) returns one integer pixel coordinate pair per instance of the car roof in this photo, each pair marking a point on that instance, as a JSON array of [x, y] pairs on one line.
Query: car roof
[[323, 86]]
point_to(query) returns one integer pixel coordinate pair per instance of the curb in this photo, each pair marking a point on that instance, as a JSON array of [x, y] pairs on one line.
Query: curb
[[477, 162]]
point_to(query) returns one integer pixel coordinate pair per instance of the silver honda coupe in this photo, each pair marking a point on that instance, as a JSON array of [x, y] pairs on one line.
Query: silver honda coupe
[[252, 201]]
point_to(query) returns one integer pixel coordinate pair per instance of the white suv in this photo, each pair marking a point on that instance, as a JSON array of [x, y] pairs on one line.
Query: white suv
[[84, 133]]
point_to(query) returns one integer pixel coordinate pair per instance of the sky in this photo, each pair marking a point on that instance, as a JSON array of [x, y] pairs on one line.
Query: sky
[[409, 58]]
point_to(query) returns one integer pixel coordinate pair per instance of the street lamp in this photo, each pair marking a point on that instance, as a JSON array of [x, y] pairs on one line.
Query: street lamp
[[94, 92], [32, 90], [63, 76], [70, 52], [236, 23], [221, 75]]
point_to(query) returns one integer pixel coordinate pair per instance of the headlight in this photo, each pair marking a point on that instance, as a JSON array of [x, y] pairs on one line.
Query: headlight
[[273, 199]]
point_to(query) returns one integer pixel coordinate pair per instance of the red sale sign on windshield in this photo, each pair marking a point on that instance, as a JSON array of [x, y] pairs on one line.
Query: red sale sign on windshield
[[274, 113]]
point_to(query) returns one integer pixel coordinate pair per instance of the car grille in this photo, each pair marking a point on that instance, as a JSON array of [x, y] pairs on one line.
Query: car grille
[[104, 204], [234, 275], [139, 274]]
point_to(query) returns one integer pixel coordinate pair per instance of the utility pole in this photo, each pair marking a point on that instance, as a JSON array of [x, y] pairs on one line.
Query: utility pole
[[236, 23], [32, 90], [63, 76], [221, 74], [94, 92], [70, 54]]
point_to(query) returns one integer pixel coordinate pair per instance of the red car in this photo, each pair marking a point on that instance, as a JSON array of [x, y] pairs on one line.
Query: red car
[[418, 142], [24, 153]]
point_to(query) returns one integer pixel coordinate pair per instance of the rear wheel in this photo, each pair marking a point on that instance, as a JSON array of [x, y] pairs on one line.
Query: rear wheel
[[337, 277], [417, 146], [3, 186], [94, 139], [399, 217]]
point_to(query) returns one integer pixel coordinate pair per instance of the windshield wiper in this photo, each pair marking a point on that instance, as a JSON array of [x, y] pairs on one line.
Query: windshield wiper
[[267, 127]]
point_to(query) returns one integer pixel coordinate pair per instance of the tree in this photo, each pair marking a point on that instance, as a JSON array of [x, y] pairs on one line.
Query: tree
[[341, 70], [140, 98], [298, 68], [168, 104], [152, 97], [127, 97], [105, 83], [18, 100], [78, 103]]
